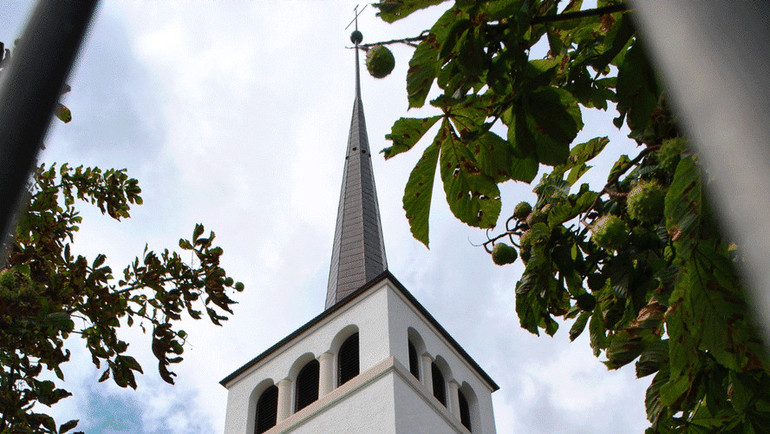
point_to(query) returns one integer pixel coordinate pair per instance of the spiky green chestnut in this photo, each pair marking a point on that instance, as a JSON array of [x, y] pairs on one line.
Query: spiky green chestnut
[[609, 232], [645, 202], [525, 240], [379, 61], [7, 279], [525, 249], [539, 215], [522, 210], [503, 254], [670, 152]]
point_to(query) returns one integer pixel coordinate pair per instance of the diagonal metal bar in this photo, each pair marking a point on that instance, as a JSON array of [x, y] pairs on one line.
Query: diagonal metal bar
[[714, 61], [30, 87]]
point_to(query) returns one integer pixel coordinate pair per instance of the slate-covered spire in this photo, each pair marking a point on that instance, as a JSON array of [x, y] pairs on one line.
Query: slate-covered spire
[[358, 254]]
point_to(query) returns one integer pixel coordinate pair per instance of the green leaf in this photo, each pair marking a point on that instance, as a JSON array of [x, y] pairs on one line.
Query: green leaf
[[597, 331], [683, 206], [471, 54], [554, 42], [449, 43], [652, 359], [105, 375], [503, 8], [619, 167], [519, 136], [68, 425], [61, 321], [184, 244], [63, 113], [579, 155], [715, 309], [494, 156], [652, 401], [579, 325], [682, 348], [524, 169], [637, 89], [585, 200], [423, 67], [497, 159], [418, 192], [473, 197], [540, 72], [543, 124], [197, 232], [554, 120], [100, 258], [393, 10], [131, 363], [405, 133]]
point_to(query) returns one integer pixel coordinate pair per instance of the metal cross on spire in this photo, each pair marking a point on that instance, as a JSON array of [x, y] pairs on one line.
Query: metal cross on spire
[[356, 37], [355, 19]]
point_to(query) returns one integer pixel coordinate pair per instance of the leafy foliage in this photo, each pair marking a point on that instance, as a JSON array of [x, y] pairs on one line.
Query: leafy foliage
[[49, 296], [667, 298]]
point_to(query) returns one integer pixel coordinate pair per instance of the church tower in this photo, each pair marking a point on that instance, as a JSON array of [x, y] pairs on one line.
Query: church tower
[[375, 360]]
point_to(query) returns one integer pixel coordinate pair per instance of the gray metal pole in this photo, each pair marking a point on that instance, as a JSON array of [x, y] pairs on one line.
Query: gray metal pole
[[30, 88], [714, 60]]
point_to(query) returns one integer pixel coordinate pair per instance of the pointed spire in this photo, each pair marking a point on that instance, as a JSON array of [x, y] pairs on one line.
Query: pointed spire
[[358, 254]]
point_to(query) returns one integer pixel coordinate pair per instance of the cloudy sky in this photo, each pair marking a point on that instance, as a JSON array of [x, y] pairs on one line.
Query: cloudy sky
[[235, 114]]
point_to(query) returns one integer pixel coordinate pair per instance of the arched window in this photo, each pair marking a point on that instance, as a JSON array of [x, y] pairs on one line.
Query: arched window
[[465, 410], [439, 388], [307, 385], [414, 362], [347, 360], [267, 410]]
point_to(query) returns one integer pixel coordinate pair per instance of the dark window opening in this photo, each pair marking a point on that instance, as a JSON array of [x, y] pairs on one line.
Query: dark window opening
[[348, 360], [267, 410], [414, 362], [439, 388], [307, 385], [465, 410]]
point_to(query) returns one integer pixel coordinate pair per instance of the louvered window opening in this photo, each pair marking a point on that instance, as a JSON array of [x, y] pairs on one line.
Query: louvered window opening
[[413, 361], [465, 410], [267, 410], [439, 389], [348, 360], [307, 385]]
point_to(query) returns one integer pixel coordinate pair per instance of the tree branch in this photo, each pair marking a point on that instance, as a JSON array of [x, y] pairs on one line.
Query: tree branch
[[408, 41], [536, 20], [580, 14]]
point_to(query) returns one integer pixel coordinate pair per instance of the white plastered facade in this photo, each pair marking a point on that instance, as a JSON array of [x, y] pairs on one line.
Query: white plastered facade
[[384, 397]]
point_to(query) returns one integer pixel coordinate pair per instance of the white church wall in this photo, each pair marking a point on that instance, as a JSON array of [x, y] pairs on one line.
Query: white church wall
[[418, 411], [367, 314], [403, 316], [369, 410]]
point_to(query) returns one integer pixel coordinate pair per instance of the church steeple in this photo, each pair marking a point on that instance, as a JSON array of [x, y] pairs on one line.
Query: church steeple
[[358, 254], [367, 347]]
